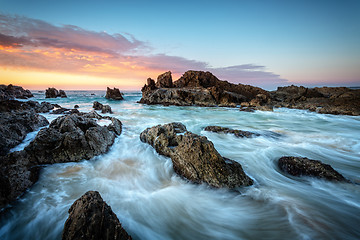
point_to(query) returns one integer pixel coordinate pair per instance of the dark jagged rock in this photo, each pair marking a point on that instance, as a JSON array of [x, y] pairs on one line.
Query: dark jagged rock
[[76, 106], [237, 133], [299, 166], [114, 94], [197, 88], [164, 80], [54, 93], [62, 94], [17, 119], [106, 109], [97, 105], [103, 108], [91, 218], [68, 138], [194, 157], [11, 92]]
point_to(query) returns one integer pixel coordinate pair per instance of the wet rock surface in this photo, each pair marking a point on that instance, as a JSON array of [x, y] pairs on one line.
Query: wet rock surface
[[92, 219], [194, 157], [54, 93], [300, 166], [17, 119], [237, 133], [114, 94], [69, 138], [11, 92]]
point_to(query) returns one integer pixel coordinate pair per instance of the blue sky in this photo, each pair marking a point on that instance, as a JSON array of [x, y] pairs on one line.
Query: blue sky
[[304, 42]]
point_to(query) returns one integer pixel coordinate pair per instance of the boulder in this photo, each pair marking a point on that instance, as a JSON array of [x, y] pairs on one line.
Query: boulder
[[194, 157], [97, 105], [62, 94], [106, 109], [10, 92], [62, 110], [103, 108], [301, 166], [17, 119], [54, 93], [91, 218], [114, 94], [69, 138], [237, 133], [76, 106], [164, 80]]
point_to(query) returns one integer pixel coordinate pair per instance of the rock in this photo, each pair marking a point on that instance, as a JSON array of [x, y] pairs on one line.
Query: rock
[[16, 175], [237, 133], [54, 93], [62, 94], [69, 138], [91, 218], [197, 88], [299, 166], [106, 109], [164, 80], [335, 100], [97, 105], [17, 119], [11, 92], [114, 94], [194, 157], [76, 106], [103, 108]]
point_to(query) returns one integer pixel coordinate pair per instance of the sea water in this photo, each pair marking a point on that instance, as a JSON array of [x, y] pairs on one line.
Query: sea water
[[153, 202]]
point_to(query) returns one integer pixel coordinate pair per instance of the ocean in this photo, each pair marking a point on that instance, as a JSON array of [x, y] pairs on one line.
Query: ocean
[[152, 202]]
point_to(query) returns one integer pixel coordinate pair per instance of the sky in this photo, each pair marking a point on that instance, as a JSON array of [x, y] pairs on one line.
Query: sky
[[95, 44]]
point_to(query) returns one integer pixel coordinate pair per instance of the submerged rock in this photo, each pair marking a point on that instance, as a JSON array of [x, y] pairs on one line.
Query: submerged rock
[[54, 93], [91, 218], [114, 94], [300, 166], [10, 92], [194, 157], [237, 133], [70, 138]]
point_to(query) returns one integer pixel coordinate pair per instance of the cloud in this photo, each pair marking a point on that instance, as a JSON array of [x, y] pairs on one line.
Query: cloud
[[37, 45]]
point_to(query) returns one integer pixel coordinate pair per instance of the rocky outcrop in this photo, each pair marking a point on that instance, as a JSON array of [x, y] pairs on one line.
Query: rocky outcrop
[[54, 93], [331, 100], [204, 89], [103, 108], [299, 166], [164, 80], [11, 92], [237, 133], [69, 138], [91, 218], [197, 88], [194, 157], [17, 119], [114, 94]]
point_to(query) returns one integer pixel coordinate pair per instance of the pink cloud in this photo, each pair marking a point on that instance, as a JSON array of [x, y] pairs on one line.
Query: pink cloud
[[36, 44]]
